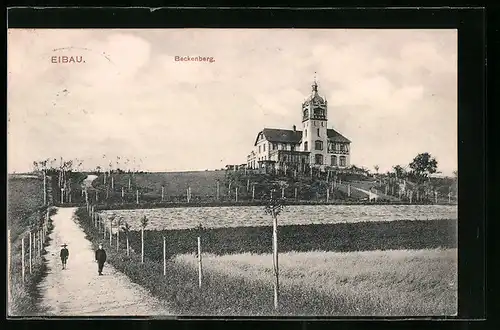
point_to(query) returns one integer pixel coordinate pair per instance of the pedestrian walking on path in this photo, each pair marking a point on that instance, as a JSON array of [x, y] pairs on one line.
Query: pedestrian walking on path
[[64, 255], [100, 257]]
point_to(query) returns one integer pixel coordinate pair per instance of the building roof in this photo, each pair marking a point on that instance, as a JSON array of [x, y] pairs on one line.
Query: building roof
[[282, 135], [335, 136], [290, 136]]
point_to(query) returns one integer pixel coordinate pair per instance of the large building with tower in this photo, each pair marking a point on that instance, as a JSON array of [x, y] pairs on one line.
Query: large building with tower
[[313, 145]]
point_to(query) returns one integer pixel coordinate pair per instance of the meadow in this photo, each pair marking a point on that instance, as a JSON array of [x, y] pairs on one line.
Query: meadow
[[370, 283], [340, 237], [320, 283], [249, 216], [24, 212]]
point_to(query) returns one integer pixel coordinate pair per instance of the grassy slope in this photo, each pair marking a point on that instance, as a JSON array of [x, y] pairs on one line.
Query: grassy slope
[[25, 197], [415, 284], [395, 282], [203, 186]]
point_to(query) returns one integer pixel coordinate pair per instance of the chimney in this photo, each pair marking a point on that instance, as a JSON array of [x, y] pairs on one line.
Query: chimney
[[294, 128]]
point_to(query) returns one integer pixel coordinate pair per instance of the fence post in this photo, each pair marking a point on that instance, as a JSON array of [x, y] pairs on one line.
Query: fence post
[[142, 244], [9, 256], [327, 195], [164, 256], [44, 189], [348, 190], [31, 245], [253, 192], [110, 232], [248, 183], [117, 237], [137, 196], [22, 260], [96, 196], [112, 183], [295, 192], [200, 269], [123, 193], [282, 192], [236, 198], [275, 260], [218, 190], [162, 193], [436, 197], [62, 195], [40, 243]]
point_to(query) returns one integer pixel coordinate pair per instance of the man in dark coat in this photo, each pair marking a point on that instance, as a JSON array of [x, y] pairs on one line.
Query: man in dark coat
[[100, 257], [64, 255]]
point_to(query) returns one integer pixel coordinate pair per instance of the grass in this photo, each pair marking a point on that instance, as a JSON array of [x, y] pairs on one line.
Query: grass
[[393, 282], [340, 237], [24, 211], [313, 283]]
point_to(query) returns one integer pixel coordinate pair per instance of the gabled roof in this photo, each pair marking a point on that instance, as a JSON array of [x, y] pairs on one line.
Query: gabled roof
[[280, 135], [290, 136], [335, 136]]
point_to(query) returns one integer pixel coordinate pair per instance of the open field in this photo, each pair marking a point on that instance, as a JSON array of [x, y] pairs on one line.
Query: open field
[[342, 237], [241, 216], [394, 282], [352, 283], [24, 209], [175, 183]]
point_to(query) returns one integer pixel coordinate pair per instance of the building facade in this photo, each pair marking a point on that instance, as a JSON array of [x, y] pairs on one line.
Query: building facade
[[315, 145]]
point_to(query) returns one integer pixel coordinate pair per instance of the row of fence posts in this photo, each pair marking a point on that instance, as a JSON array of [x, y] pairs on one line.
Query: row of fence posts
[[35, 249], [409, 194], [98, 223]]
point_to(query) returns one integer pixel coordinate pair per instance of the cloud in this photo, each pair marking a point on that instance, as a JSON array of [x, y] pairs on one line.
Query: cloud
[[395, 89]]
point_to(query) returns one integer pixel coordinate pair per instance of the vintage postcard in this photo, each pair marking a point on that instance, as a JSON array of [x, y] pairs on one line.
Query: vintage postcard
[[232, 172]]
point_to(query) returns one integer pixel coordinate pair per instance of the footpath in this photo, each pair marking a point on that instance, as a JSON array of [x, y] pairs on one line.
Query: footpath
[[78, 290]]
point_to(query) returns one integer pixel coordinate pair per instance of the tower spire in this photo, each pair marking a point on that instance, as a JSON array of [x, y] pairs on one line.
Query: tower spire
[[315, 85]]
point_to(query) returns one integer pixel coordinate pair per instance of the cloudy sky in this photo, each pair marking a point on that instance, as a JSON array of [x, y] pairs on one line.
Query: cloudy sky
[[393, 93]]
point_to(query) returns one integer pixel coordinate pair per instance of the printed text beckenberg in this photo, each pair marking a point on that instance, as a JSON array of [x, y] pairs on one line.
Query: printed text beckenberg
[[194, 59]]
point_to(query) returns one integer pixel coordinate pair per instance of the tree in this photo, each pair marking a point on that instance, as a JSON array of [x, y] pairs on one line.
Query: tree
[[274, 207], [126, 230], [423, 165], [399, 171], [376, 167]]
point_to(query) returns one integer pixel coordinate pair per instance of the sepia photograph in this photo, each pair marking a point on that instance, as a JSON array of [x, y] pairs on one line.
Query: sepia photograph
[[232, 172]]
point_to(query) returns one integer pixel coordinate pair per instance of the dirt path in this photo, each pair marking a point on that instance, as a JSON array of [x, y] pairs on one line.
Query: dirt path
[[78, 290]]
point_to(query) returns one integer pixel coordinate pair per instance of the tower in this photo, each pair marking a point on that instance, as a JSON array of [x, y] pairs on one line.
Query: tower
[[314, 122]]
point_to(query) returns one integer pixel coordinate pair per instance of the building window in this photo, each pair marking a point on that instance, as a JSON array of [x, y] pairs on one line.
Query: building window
[[318, 159], [305, 132], [318, 145], [292, 147], [322, 124], [334, 160], [274, 146], [259, 149], [342, 161], [264, 146], [318, 131], [305, 146], [284, 158]]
